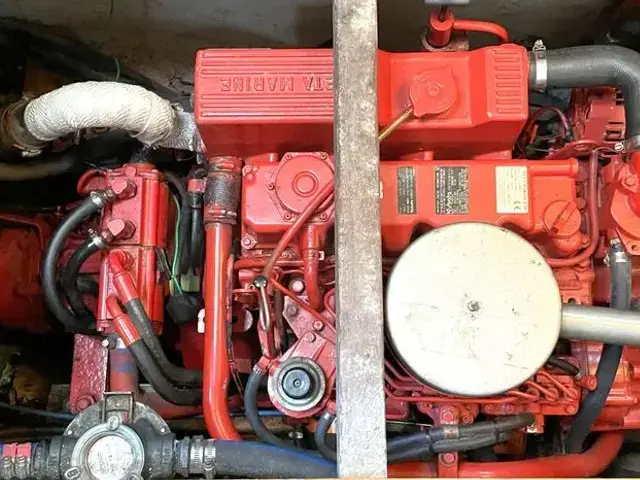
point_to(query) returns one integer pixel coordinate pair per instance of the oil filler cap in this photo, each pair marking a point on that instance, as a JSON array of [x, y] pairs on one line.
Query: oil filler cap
[[473, 309]]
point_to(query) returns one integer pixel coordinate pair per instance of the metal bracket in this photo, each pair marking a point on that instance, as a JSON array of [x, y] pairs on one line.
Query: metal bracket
[[119, 403]]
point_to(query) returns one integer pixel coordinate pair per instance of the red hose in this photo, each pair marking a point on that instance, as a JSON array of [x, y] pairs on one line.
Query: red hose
[[484, 27], [587, 464], [216, 372], [592, 203]]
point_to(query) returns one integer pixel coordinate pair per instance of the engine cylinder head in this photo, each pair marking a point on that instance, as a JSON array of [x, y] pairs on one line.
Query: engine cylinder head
[[473, 309]]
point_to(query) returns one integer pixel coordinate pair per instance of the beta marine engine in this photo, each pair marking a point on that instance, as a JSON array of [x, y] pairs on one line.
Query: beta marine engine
[[510, 242]]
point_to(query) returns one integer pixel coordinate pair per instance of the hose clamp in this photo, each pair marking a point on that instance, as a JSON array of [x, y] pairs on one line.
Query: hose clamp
[[97, 240], [540, 55], [101, 197]]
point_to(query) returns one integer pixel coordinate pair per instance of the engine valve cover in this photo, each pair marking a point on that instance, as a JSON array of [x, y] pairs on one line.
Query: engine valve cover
[[473, 309]]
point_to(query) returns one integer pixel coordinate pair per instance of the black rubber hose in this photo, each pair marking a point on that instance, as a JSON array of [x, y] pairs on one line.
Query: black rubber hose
[[184, 228], [620, 267], [156, 378], [420, 443], [86, 324], [257, 460], [462, 444], [70, 276], [433, 435], [251, 410], [176, 375], [320, 436], [562, 364], [595, 66], [196, 243]]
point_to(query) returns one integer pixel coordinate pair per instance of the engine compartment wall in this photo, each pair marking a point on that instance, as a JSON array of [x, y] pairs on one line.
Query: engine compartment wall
[[160, 38]]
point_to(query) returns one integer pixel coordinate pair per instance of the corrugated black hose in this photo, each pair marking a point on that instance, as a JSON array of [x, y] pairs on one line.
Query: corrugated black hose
[[595, 66]]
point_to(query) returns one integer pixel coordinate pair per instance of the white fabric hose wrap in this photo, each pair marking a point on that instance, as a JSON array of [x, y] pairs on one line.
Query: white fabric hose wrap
[[148, 117]]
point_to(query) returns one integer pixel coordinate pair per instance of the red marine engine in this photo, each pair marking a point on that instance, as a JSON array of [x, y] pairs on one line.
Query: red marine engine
[[456, 147], [510, 245]]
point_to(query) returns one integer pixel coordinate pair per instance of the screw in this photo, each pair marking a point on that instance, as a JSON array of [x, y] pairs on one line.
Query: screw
[[287, 156], [318, 326], [287, 216], [448, 458], [619, 147], [630, 181], [447, 416], [247, 241], [270, 186], [310, 337], [473, 306], [323, 216], [73, 472], [113, 423], [296, 286], [69, 432], [296, 435], [291, 310], [163, 430]]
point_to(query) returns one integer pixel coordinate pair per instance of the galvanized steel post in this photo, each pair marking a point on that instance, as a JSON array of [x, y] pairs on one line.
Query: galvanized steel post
[[360, 397]]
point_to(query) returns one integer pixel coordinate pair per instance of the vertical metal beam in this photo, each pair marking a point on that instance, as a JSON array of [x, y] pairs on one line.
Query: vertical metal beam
[[361, 409]]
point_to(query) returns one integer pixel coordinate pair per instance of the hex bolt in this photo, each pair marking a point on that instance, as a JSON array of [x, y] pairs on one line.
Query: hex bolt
[[318, 325], [84, 402], [630, 181], [309, 337], [291, 310], [448, 458], [296, 285]]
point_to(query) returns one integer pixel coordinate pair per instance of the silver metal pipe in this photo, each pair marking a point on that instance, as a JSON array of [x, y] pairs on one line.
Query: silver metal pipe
[[600, 324], [360, 393]]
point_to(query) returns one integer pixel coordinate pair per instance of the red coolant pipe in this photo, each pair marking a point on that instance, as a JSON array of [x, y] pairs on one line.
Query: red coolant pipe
[[222, 193], [216, 359], [587, 464]]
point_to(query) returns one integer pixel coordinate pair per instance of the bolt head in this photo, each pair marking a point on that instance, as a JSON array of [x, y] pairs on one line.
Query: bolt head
[[309, 337], [291, 310], [113, 423], [106, 343], [318, 325]]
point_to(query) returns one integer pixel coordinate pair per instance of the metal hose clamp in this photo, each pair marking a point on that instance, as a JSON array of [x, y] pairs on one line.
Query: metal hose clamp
[[540, 56]]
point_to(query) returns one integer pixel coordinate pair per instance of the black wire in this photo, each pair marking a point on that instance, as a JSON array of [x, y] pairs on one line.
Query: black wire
[[184, 229]]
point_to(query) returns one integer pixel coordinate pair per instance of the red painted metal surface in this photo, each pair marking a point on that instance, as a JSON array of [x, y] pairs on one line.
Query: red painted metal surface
[[22, 243], [89, 374], [250, 102], [143, 201]]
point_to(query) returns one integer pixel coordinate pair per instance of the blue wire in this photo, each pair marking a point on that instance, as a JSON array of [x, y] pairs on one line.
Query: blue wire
[[63, 416]]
